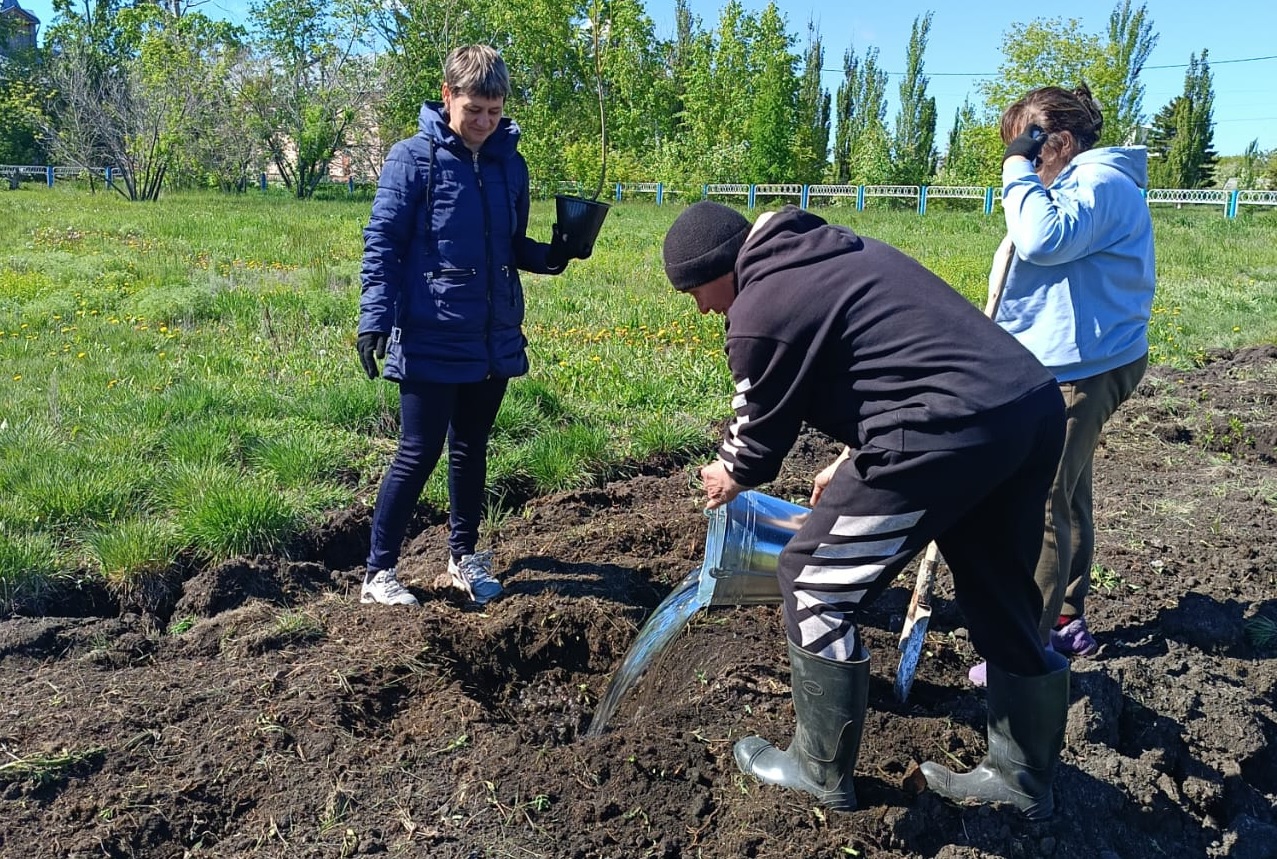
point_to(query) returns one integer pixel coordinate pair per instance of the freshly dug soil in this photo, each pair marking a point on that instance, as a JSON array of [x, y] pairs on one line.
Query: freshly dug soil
[[260, 710]]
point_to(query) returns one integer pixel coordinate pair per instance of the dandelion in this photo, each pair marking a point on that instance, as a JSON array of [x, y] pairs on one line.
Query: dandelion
[[80, 354], [17, 377]]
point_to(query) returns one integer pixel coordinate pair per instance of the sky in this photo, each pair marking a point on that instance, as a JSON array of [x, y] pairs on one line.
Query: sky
[[964, 47]]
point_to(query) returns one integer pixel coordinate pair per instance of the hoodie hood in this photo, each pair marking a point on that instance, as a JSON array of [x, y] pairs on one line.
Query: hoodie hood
[[789, 235], [1130, 161], [433, 123]]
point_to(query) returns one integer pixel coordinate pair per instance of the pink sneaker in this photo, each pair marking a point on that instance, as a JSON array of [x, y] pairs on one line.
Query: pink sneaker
[[979, 674], [1074, 639]]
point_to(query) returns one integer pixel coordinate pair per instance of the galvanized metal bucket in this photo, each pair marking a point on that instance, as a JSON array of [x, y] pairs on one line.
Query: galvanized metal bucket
[[742, 549]]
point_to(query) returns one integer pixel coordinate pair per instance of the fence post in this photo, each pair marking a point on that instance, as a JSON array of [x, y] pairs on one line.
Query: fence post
[[1232, 203], [988, 200], [751, 196], [262, 182], [802, 201], [922, 199], [618, 192], [860, 198], [110, 178], [350, 184], [48, 176], [705, 192]]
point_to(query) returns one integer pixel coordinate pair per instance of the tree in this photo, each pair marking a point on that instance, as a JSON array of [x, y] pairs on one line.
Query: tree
[[1249, 167], [811, 129], [713, 84], [128, 83], [621, 59], [1130, 41], [556, 96], [1183, 133], [771, 121], [1043, 52], [219, 152], [305, 86], [417, 35], [85, 64], [1057, 52], [861, 146], [22, 94], [974, 156], [913, 156]]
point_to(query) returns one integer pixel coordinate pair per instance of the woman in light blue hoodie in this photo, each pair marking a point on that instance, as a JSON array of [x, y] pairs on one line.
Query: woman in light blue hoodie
[[1079, 295]]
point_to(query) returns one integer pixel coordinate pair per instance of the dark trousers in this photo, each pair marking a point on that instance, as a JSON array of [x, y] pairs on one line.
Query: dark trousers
[[982, 504], [1068, 546], [430, 413]]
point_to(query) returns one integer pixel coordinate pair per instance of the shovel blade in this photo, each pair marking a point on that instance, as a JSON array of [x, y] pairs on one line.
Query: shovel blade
[[910, 653]]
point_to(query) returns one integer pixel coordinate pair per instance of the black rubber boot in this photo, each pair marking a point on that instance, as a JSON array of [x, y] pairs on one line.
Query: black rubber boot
[[829, 701], [1027, 716]]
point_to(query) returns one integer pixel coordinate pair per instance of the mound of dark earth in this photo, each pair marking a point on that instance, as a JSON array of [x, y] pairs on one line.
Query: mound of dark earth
[[264, 712]]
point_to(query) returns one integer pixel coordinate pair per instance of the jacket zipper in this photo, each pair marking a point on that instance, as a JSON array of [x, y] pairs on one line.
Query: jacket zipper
[[487, 246]]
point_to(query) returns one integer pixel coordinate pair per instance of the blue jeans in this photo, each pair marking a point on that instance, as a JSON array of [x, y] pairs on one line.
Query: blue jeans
[[429, 413]]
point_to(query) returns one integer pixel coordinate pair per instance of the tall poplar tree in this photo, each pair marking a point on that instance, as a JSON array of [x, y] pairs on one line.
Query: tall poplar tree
[[1121, 95], [861, 145], [1182, 140], [811, 134], [772, 115], [913, 156]]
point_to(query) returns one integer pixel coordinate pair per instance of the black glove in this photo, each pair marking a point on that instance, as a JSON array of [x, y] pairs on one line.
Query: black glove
[[556, 258], [371, 346], [1029, 144]]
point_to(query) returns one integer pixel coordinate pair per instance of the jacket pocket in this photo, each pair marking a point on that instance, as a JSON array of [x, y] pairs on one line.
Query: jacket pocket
[[507, 303], [453, 298]]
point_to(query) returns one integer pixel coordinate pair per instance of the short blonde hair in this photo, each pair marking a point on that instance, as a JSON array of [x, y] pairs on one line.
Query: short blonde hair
[[476, 70]]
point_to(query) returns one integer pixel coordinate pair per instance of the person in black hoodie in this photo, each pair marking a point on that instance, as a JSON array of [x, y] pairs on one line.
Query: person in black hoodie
[[952, 431]]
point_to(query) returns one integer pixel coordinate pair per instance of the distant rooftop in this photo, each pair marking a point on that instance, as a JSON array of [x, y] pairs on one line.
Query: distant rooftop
[[6, 5], [23, 35]]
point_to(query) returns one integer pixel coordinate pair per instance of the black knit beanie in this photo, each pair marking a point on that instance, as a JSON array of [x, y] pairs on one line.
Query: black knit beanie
[[702, 244]]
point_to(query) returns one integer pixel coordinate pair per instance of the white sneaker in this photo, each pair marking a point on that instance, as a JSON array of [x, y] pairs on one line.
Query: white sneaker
[[385, 589], [474, 576]]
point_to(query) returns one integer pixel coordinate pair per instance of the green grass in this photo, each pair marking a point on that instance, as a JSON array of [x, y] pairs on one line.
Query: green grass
[[180, 378]]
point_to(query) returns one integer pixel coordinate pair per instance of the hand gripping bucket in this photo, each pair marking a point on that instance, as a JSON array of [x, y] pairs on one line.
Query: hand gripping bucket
[[579, 220]]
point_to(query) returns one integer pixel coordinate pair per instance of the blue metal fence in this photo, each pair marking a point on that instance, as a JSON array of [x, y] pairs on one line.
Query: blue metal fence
[[988, 197], [1229, 200]]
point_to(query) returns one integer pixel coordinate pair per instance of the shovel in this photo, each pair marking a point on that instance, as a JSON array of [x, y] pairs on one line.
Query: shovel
[[914, 630]]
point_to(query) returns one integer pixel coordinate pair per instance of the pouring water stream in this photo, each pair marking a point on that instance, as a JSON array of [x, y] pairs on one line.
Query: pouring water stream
[[742, 548]]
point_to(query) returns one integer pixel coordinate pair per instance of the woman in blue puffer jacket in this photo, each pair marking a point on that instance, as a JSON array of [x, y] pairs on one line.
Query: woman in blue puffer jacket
[[443, 305]]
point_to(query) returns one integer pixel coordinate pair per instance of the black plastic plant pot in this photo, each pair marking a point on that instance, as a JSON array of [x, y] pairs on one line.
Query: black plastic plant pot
[[579, 220]]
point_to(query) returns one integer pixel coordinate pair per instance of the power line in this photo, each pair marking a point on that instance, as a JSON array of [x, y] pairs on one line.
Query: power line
[[931, 74], [1217, 62]]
